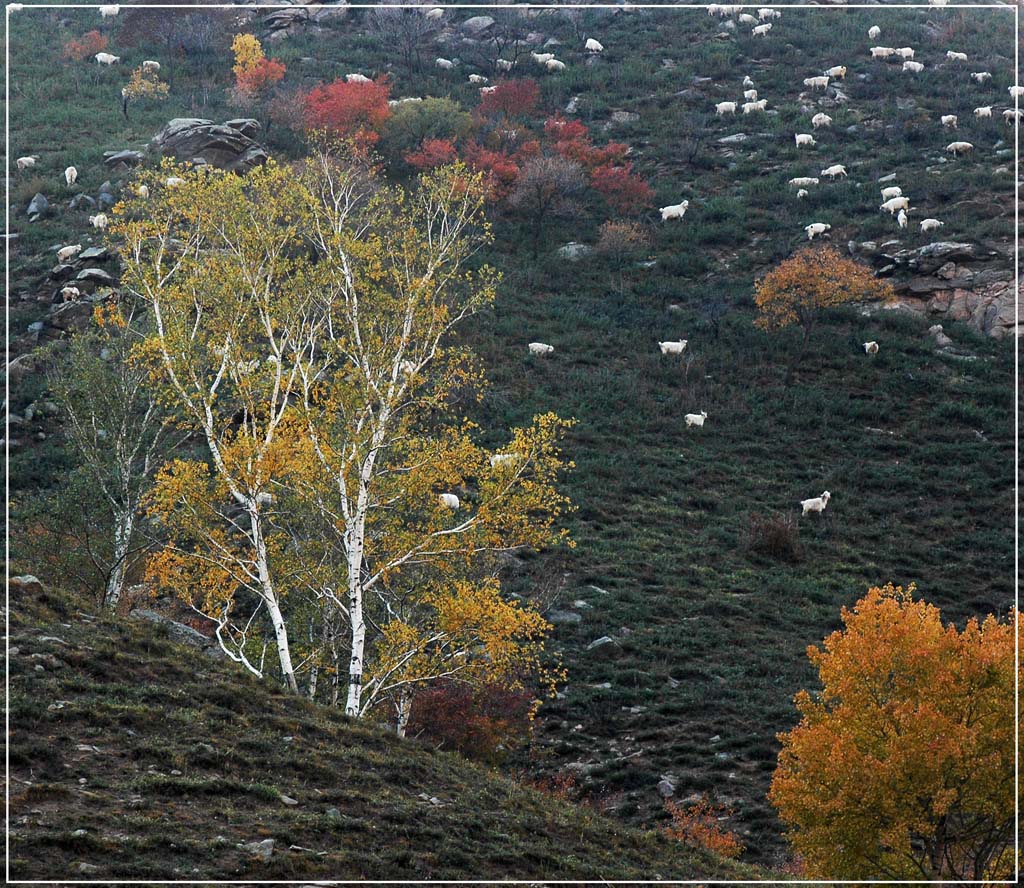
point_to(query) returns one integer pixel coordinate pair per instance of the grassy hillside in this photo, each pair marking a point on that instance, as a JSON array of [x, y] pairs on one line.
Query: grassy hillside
[[915, 444], [134, 757]]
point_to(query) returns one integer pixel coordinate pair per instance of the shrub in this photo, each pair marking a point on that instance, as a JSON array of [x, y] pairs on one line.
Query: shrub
[[412, 124], [777, 536], [698, 825], [84, 47], [432, 153], [355, 111], [625, 191], [511, 98]]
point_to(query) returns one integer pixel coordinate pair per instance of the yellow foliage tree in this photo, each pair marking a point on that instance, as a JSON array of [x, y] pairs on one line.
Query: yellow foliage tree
[[814, 278], [902, 766], [145, 84]]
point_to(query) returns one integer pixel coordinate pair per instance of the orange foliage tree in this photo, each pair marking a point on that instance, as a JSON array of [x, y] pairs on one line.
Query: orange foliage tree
[[355, 111], [698, 825], [902, 766], [81, 48], [811, 280], [255, 74]]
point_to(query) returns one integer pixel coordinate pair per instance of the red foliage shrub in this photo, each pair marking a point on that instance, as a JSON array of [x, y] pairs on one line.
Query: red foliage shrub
[[260, 77], [625, 191], [511, 98], [86, 46], [432, 153], [698, 826], [472, 721], [351, 110], [571, 139], [500, 169]]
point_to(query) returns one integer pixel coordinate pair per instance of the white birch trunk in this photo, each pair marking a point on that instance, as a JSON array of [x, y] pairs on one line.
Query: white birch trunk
[[123, 524], [270, 600]]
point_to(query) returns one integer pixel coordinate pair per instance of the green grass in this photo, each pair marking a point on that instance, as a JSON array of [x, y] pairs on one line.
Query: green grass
[[717, 634]]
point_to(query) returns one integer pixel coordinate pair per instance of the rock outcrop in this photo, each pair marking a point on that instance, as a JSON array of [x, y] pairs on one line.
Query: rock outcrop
[[227, 146]]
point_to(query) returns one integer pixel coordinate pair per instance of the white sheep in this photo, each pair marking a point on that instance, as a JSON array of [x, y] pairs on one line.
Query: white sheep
[[69, 293], [804, 139], [592, 45], [542, 58], [151, 66], [357, 78], [65, 254], [905, 52], [750, 95], [761, 30], [894, 204], [980, 76], [70, 176], [956, 148], [913, 67], [747, 82], [449, 500], [838, 72], [675, 211], [804, 181], [882, 52], [109, 11], [554, 65], [487, 90], [837, 169], [1012, 115], [816, 228], [931, 225], [949, 120], [956, 56], [477, 78], [502, 459], [105, 58], [15, 7], [174, 181], [759, 105], [874, 32], [673, 348], [902, 219], [540, 348], [937, 2], [444, 64], [725, 108], [892, 191], [816, 504], [99, 221], [1016, 92], [871, 348], [765, 13], [802, 193], [820, 120], [26, 163], [983, 111], [504, 65], [434, 13], [696, 419], [142, 191], [816, 82]]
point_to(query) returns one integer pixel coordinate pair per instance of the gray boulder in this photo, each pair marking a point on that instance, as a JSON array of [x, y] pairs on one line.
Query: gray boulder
[[80, 201], [227, 146], [96, 275], [181, 633], [477, 25], [38, 207], [122, 160], [574, 251]]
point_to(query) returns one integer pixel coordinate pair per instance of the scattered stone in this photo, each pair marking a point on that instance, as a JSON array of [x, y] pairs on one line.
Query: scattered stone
[[82, 200], [574, 251], [623, 117], [79, 832], [121, 161], [733, 140], [97, 253], [87, 868], [263, 850], [477, 25], [97, 275], [557, 617], [38, 207], [288, 800], [25, 583], [603, 642], [666, 789], [333, 813]]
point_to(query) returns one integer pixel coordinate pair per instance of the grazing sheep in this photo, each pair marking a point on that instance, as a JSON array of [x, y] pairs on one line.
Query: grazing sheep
[[99, 221], [444, 64], [804, 139], [673, 348], [905, 52], [956, 148], [765, 13], [983, 111], [871, 348], [931, 225], [956, 56], [70, 176], [174, 181], [837, 73], [750, 107], [820, 120], [892, 191], [747, 82], [142, 191], [696, 419], [675, 211], [882, 52], [554, 65], [981, 76], [435, 13], [105, 58], [540, 349], [504, 65], [725, 108], [109, 11], [874, 32], [802, 193], [761, 30], [816, 82], [913, 67], [837, 169], [747, 19], [1016, 92], [69, 294], [65, 254], [1012, 115], [902, 219], [477, 78], [542, 58], [804, 181], [151, 66], [450, 500], [750, 95], [501, 459], [357, 78], [816, 504], [894, 204], [26, 163], [816, 228], [949, 120], [592, 45]]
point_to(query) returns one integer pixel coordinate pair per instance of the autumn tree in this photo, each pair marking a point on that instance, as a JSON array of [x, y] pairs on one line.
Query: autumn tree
[[411, 125], [621, 242], [353, 111], [902, 766], [699, 825], [624, 190], [813, 279], [255, 74], [511, 99], [547, 186], [144, 85], [78, 49]]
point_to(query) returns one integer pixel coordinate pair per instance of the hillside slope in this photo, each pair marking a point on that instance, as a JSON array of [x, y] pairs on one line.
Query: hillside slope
[[135, 757]]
